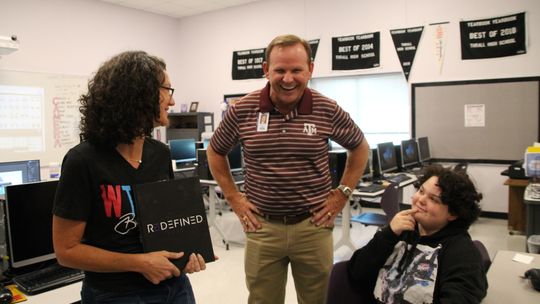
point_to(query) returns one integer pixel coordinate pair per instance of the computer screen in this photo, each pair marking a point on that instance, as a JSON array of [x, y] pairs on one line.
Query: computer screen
[[18, 172], [206, 143], [183, 150], [409, 153], [235, 158], [29, 222], [423, 149], [387, 157]]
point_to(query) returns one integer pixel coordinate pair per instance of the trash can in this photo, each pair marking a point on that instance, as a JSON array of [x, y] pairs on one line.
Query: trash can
[[532, 209], [533, 243]]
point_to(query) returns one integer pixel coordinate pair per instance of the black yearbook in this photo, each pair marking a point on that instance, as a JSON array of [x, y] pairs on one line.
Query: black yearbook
[[171, 216]]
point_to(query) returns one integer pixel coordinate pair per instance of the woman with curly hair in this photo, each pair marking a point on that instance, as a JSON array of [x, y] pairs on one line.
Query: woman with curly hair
[[425, 254], [94, 225]]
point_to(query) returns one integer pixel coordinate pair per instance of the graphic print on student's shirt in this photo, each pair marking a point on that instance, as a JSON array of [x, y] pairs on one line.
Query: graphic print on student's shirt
[[112, 203], [414, 282]]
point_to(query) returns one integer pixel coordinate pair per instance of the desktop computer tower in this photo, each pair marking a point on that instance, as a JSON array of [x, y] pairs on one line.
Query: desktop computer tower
[[336, 164], [399, 159], [376, 172], [203, 170]]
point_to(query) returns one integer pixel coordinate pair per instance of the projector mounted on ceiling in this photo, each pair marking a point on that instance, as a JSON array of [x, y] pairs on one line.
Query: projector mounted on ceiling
[[8, 44]]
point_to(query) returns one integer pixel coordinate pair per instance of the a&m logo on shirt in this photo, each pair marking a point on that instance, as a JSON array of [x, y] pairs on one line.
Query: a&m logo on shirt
[[310, 129]]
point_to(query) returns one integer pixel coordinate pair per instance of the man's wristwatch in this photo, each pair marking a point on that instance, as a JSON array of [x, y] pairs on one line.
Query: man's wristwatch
[[345, 190]]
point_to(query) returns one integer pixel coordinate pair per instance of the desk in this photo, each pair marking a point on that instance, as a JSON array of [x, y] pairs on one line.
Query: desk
[[517, 217], [212, 184], [505, 285], [64, 295]]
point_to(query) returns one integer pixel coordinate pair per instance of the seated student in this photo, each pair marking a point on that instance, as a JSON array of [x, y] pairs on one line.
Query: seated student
[[426, 254]]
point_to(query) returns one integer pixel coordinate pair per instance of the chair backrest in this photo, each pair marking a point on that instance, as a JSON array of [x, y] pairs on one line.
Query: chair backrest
[[389, 201], [486, 260], [340, 289], [461, 168]]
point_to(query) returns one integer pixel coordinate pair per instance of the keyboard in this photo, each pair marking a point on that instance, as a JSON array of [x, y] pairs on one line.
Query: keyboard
[[370, 188], [48, 278], [398, 178], [238, 176]]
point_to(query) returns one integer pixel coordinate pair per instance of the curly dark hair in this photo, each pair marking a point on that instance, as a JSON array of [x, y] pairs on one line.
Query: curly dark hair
[[122, 102], [457, 192]]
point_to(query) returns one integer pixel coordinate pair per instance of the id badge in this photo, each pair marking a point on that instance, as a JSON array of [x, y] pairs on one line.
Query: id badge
[[262, 122]]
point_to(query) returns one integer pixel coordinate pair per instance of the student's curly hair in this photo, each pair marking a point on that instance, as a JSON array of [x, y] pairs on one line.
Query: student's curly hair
[[122, 102], [457, 192]]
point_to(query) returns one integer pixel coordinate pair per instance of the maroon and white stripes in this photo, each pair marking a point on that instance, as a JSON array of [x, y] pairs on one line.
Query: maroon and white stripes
[[287, 166]]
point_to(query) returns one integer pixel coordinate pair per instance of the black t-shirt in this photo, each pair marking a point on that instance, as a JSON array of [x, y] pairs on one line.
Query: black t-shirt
[[95, 187]]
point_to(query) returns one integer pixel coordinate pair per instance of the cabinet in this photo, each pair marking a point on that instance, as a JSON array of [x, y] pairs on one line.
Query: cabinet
[[517, 217], [189, 125]]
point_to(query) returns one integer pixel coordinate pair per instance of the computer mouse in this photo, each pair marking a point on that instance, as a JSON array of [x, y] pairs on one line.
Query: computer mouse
[[533, 274], [5, 295]]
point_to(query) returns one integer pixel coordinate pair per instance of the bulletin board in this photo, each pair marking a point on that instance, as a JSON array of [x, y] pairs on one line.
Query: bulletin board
[[39, 115], [479, 120]]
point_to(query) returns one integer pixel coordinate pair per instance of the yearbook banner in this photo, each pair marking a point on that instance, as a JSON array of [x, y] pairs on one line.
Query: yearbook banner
[[494, 37], [406, 43], [356, 51], [247, 64]]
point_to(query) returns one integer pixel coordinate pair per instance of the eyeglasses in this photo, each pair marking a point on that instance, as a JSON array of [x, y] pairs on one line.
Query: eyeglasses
[[170, 90]]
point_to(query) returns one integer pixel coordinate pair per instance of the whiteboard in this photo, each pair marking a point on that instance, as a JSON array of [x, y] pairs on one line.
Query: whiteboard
[[39, 115], [490, 120]]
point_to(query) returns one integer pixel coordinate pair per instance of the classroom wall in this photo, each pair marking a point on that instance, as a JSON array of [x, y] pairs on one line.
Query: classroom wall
[[208, 40], [75, 36], [211, 39]]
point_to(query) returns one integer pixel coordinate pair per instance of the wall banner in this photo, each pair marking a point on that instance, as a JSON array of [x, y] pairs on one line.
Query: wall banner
[[494, 37], [439, 40], [406, 43], [314, 45], [356, 52], [247, 64]]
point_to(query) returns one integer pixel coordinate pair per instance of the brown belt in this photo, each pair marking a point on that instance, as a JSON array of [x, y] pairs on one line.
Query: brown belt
[[287, 219]]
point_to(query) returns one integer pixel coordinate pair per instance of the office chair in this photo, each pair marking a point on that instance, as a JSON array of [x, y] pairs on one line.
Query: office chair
[[461, 168], [486, 260], [340, 289], [389, 204]]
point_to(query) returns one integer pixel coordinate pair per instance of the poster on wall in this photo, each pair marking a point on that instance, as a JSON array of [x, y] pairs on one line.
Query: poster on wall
[[247, 64], [356, 51], [229, 100], [406, 42], [494, 37]]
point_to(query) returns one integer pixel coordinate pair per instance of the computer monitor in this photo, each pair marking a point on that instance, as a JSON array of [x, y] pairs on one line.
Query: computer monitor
[[18, 172], [206, 143], [183, 150], [423, 149], [29, 223], [235, 158], [409, 153], [387, 157]]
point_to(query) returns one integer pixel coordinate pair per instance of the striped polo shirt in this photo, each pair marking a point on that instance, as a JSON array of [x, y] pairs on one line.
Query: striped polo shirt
[[286, 165]]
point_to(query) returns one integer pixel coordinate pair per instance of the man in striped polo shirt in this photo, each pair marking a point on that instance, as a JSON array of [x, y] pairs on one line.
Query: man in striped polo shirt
[[289, 206]]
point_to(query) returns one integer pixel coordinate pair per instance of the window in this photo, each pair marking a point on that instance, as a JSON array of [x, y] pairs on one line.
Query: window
[[379, 104]]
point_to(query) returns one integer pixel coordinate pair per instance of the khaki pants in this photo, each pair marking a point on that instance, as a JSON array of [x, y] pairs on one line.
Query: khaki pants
[[309, 250]]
